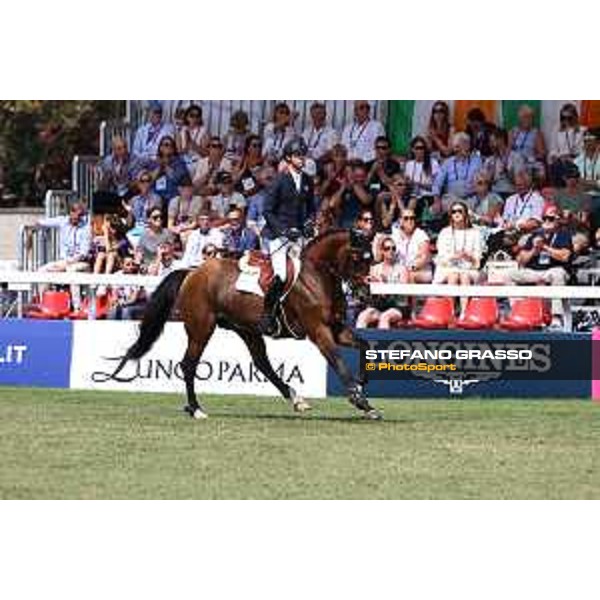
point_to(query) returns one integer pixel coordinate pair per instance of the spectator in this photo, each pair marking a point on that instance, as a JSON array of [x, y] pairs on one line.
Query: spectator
[[360, 135], [459, 250], [112, 247], [153, 236], [486, 205], [319, 137], [413, 249], [199, 239], [245, 174], [478, 130], [389, 204], [184, 210], [192, 139], [137, 208], [168, 170], [587, 162], [335, 171], [353, 196], [421, 168], [148, 136], [523, 210], [255, 219], [237, 238], [457, 174], [385, 313], [130, 300], [235, 139], [440, 132], [277, 133], [75, 242], [204, 178], [528, 141], [544, 258], [117, 172], [567, 143], [383, 168], [366, 223], [226, 198], [164, 262], [573, 202], [502, 164]]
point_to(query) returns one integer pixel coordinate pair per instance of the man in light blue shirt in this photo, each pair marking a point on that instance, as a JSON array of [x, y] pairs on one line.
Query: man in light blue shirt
[[148, 136], [457, 175], [75, 243]]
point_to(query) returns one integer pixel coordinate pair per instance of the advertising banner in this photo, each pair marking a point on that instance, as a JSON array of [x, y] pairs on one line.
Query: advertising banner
[[483, 364], [225, 368], [35, 353]]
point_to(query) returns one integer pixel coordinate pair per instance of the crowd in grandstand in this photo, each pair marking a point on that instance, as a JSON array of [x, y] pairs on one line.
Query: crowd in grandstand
[[456, 201]]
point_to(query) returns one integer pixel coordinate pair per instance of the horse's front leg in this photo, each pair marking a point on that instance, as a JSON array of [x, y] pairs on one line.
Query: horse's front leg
[[324, 338], [346, 336]]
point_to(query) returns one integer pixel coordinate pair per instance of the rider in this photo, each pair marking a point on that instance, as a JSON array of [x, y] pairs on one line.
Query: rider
[[289, 203]]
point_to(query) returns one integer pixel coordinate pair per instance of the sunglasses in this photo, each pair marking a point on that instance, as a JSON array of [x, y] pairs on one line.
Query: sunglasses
[[155, 217], [457, 211], [549, 218], [368, 219], [389, 248]]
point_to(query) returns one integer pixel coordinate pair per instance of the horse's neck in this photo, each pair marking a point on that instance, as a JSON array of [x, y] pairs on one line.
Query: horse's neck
[[326, 251]]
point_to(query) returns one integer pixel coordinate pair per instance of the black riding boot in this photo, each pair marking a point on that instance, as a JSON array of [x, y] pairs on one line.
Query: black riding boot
[[268, 323]]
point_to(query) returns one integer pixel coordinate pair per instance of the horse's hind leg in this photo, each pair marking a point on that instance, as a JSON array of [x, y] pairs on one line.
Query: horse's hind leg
[[258, 351], [196, 344]]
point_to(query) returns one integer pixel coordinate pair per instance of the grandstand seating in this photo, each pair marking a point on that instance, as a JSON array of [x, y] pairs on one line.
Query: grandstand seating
[[437, 313], [54, 305], [481, 313]]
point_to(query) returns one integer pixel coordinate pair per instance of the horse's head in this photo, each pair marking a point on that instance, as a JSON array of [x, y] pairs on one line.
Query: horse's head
[[357, 257]]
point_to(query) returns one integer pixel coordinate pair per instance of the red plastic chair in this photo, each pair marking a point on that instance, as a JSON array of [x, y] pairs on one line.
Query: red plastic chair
[[54, 305], [437, 313], [526, 313], [481, 313], [103, 304]]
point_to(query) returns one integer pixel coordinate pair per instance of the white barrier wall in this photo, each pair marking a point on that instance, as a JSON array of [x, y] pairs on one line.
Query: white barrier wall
[[225, 368]]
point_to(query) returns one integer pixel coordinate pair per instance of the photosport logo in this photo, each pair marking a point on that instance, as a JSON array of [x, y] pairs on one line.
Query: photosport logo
[[458, 364]]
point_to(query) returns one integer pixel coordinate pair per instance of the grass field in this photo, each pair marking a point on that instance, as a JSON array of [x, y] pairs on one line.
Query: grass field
[[70, 444]]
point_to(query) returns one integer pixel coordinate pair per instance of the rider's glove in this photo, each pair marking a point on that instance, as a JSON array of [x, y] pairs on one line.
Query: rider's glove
[[293, 234]]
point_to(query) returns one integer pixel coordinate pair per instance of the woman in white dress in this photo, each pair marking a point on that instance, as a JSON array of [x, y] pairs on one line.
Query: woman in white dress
[[459, 249]]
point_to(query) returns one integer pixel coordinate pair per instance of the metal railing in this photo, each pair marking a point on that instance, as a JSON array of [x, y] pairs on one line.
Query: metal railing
[[84, 177]]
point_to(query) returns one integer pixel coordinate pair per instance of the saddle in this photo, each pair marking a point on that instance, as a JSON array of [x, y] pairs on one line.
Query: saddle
[[256, 273]]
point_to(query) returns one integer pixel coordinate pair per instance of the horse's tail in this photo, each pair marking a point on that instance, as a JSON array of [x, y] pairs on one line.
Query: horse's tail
[[155, 316]]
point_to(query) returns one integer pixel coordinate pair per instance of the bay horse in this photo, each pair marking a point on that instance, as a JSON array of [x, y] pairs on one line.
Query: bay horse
[[314, 307]]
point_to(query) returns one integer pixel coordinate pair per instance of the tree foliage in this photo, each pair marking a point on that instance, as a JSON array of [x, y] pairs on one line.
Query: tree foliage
[[38, 139]]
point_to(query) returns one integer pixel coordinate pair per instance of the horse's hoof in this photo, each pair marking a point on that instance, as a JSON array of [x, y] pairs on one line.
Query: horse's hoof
[[195, 413], [373, 415], [301, 405]]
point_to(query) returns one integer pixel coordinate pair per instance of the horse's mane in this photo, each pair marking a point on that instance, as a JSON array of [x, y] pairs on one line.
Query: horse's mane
[[319, 238]]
